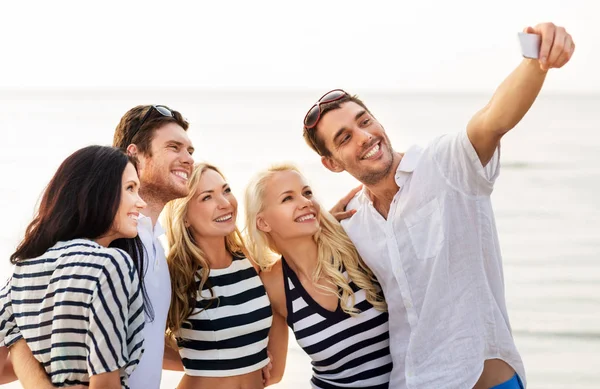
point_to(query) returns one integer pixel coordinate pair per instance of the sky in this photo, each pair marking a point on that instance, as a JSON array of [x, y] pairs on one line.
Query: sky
[[460, 45]]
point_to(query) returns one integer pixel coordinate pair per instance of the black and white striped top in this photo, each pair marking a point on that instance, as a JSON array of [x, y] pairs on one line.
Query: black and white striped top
[[346, 351], [227, 335], [79, 308]]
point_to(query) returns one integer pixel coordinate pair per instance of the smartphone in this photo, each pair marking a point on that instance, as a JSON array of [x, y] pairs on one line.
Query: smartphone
[[530, 45]]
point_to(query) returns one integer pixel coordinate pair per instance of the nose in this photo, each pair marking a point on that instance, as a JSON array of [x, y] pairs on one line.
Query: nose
[[305, 203], [364, 136], [187, 158], [223, 202], [140, 203]]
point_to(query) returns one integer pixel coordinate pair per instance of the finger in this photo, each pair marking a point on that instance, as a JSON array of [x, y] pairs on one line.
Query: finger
[[265, 374], [341, 205], [352, 193], [558, 46], [566, 54], [344, 215], [547, 31]]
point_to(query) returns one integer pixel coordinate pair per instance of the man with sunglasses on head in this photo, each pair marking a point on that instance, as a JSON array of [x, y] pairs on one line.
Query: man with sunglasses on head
[[424, 224], [157, 137]]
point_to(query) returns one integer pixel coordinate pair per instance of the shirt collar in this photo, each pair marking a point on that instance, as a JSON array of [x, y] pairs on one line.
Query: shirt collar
[[408, 163], [145, 223]]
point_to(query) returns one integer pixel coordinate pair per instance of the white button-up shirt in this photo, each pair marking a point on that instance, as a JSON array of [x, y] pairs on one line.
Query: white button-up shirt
[[438, 260], [157, 282]]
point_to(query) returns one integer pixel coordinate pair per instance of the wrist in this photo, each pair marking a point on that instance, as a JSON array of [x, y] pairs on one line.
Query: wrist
[[534, 66]]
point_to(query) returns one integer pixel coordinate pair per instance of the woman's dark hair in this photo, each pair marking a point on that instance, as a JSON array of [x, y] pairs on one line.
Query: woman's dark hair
[[81, 201]]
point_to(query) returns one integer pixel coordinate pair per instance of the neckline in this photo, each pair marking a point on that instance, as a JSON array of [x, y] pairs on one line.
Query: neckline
[[228, 269], [288, 272]]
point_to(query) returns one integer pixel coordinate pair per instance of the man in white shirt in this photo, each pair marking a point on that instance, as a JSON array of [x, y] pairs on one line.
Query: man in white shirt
[[424, 224], [158, 137]]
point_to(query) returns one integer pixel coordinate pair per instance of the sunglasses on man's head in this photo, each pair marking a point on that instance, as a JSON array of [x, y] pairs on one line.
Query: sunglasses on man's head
[[161, 109], [314, 113]]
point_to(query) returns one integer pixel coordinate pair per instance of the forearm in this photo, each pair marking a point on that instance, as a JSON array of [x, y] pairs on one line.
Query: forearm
[[511, 101], [278, 347], [7, 374], [110, 380], [171, 358], [28, 370]]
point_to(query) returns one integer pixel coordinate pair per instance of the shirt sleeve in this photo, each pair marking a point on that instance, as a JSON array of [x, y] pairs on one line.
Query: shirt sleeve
[[9, 332], [459, 163], [116, 317]]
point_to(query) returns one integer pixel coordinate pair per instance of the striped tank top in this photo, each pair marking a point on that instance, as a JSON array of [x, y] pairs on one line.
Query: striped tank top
[[228, 332], [346, 351]]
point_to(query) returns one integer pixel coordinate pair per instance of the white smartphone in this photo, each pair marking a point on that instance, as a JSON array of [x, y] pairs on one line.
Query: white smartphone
[[530, 45]]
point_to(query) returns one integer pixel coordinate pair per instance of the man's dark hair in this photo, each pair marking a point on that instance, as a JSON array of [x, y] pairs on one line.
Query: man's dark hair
[[129, 131], [310, 134]]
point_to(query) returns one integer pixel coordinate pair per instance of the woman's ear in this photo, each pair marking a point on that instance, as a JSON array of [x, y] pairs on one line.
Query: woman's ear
[[262, 224]]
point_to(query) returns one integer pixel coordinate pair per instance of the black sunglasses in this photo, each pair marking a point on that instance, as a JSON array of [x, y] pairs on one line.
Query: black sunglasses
[[314, 113], [162, 109]]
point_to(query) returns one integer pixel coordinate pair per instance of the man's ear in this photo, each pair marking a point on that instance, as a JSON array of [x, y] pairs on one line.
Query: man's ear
[[262, 225], [331, 164], [132, 150]]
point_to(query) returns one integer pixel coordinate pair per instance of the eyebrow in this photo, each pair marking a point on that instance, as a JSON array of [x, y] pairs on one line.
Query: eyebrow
[[132, 182], [225, 185], [291, 191], [343, 129]]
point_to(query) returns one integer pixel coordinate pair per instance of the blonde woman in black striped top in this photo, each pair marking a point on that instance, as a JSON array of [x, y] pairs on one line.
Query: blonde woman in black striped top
[[317, 283]]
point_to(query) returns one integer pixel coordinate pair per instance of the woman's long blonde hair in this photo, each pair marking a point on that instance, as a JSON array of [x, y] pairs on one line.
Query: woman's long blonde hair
[[185, 258], [336, 252]]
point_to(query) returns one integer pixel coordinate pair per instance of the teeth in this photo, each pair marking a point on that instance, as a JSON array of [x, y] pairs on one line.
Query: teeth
[[183, 175], [371, 153], [224, 218], [134, 217], [305, 217]]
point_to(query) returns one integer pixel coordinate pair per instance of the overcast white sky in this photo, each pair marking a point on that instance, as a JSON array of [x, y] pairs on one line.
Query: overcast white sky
[[407, 45]]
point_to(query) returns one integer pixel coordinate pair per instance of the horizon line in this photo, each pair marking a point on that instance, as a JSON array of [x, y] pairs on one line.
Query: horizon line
[[270, 89]]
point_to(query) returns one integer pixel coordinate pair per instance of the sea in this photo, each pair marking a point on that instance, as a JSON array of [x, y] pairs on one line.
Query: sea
[[546, 198]]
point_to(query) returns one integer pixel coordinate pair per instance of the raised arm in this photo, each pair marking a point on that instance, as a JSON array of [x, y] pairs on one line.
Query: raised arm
[[518, 91]]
